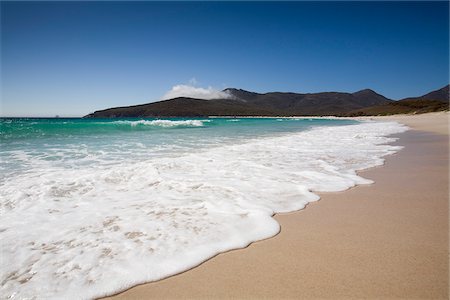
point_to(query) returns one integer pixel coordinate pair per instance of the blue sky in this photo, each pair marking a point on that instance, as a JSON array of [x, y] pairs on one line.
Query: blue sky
[[71, 58]]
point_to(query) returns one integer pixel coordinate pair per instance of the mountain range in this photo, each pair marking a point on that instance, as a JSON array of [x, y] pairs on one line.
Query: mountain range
[[245, 103]]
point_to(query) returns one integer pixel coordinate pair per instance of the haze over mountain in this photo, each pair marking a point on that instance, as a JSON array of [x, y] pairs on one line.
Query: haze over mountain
[[246, 103]]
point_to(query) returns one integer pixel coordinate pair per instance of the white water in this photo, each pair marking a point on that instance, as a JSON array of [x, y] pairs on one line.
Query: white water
[[165, 123], [91, 231]]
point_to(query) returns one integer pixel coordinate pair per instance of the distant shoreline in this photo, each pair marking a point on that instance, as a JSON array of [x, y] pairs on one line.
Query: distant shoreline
[[248, 117]]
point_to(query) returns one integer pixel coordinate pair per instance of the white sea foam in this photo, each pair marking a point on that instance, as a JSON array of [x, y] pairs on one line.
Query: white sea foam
[[85, 232], [165, 123]]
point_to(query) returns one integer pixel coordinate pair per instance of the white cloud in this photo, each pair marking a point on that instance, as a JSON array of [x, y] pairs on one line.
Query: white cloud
[[185, 90]]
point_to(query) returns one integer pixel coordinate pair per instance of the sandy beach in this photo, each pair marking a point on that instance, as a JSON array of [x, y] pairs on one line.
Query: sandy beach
[[381, 241], [432, 122]]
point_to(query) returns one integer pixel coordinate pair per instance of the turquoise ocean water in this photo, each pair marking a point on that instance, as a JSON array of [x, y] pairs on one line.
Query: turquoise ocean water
[[72, 142]]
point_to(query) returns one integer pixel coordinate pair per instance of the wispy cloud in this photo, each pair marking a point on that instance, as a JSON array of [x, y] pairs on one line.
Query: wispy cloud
[[193, 81], [192, 91]]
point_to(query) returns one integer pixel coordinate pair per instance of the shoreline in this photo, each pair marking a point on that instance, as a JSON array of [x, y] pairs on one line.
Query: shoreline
[[278, 266]]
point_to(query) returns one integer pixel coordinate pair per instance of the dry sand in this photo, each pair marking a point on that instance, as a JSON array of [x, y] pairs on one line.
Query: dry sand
[[386, 240], [433, 122]]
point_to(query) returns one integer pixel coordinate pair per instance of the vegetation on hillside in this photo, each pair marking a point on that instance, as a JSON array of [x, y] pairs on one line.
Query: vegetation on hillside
[[401, 107]]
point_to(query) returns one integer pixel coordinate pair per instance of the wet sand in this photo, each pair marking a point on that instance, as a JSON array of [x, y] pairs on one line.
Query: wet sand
[[380, 241]]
